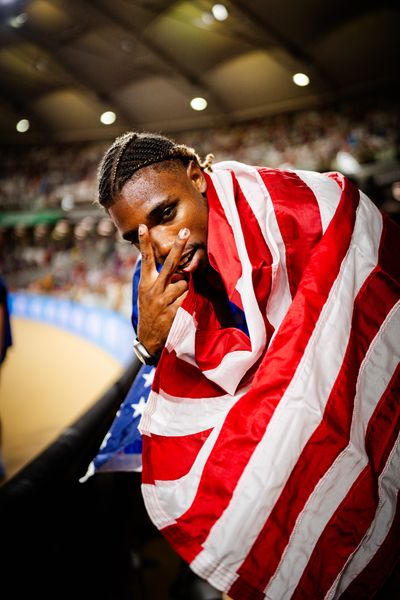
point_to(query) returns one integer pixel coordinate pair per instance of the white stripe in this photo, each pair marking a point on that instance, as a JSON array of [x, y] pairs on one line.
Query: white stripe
[[182, 336], [327, 192], [172, 416], [300, 409], [259, 199], [208, 567], [375, 374]]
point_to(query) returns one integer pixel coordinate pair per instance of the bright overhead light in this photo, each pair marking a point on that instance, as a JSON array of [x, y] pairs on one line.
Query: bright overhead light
[[108, 117], [198, 103], [18, 20], [301, 79], [219, 12], [22, 126]]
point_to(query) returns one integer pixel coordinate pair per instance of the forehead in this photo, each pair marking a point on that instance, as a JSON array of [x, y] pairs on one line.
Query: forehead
[[151, 183]]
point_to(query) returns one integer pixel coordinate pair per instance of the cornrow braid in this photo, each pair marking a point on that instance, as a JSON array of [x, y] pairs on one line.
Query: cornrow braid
[[133, 151]]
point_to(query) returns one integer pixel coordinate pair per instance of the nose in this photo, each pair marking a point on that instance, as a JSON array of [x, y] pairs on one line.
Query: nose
[[161, 242]]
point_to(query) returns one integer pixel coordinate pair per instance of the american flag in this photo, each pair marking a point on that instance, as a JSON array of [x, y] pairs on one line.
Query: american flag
[[271, 460], [121, 448]]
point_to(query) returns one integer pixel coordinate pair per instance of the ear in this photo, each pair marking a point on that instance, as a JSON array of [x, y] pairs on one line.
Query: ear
[[196, 176]]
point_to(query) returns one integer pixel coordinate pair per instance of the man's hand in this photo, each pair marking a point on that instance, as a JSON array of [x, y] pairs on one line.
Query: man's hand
[[159, 299]]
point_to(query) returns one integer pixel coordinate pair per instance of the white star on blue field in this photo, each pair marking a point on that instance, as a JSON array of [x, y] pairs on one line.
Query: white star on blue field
[[122, 445]]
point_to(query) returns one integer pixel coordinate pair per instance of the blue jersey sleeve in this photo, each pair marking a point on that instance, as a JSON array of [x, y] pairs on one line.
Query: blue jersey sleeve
[[135, 285]]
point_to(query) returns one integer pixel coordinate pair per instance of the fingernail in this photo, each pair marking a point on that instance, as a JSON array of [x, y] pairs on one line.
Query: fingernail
[[141, 229], [183, 233]]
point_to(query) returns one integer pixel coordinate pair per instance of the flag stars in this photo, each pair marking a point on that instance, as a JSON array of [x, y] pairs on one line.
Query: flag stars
[[138, 408], [149, 377]]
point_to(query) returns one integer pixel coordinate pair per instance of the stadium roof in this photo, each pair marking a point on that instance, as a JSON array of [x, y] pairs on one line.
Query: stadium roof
[[65, 62]]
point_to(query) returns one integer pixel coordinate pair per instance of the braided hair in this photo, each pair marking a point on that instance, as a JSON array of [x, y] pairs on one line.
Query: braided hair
[[133, 151]]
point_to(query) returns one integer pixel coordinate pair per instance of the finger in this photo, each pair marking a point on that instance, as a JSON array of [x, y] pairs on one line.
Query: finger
[[174, 290], [148, 268], [172, 261], [178, 302]]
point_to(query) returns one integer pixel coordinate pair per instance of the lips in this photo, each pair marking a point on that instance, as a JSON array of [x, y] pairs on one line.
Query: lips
[[186, 260]]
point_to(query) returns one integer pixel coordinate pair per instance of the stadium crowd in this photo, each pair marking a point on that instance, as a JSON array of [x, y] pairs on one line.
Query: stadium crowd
[[76, 256]]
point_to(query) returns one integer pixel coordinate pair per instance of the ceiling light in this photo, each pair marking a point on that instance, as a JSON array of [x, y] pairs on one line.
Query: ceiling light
[[18, 20], [301, 79], [198, 103], [108, 117], [219, 12], [22, 126]]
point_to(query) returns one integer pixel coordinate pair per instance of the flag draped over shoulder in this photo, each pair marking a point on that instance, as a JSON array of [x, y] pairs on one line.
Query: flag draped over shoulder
[[271, 460]]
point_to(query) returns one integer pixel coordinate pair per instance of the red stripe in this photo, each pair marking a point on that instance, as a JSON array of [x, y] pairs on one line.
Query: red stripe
[[221, 245], [246, 591], [181, 452], [213, 346], [246, 422], [330, 437], [348, 525], [383, 427], [181, 379], [381, 570], [298, 216]]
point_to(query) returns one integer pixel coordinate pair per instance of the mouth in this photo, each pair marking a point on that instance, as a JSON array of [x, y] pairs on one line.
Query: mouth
[[186, 260]]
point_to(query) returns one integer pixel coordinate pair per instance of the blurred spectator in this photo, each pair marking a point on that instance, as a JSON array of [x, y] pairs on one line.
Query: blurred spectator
[[5, 343]]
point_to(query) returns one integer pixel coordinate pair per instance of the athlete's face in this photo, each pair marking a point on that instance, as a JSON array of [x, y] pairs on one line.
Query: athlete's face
[[166, 201]]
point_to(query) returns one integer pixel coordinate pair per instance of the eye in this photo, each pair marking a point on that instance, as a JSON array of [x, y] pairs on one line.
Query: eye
[[168, 213]]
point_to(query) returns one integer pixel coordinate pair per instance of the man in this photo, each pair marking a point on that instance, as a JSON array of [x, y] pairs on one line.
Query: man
[[270, 453]]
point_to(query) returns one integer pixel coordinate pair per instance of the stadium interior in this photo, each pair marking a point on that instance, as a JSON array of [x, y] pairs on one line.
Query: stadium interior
[[284, 84]]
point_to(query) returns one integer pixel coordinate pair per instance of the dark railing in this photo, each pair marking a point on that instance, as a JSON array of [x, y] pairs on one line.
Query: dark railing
[[60, 538]]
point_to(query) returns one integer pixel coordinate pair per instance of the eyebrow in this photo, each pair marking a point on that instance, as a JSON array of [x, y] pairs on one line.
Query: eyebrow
[[153, 217]]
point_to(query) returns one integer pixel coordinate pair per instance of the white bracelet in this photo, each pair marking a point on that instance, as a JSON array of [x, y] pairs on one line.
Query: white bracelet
[[143, 354]]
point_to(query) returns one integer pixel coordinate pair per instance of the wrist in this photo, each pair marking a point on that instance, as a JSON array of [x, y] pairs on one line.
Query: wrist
[[143, 354]]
